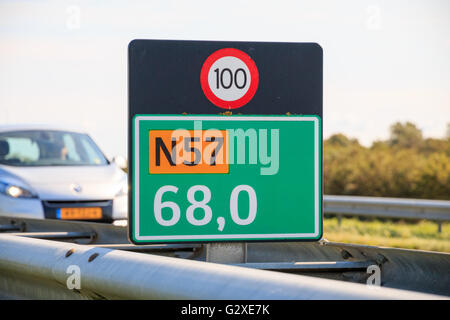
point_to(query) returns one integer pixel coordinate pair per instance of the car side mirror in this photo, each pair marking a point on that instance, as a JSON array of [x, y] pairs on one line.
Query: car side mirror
[[120, 161]]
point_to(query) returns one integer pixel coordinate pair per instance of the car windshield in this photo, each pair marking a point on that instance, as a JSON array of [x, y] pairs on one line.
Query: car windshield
[[49, 148]]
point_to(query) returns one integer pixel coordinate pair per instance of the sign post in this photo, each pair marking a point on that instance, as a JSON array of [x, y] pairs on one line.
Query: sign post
[[225, 141]]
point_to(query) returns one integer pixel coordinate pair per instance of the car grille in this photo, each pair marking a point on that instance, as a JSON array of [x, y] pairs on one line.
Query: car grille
[[51, 207]]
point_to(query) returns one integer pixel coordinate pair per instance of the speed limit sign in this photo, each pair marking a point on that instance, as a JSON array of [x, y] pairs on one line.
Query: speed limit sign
[[229, 78]]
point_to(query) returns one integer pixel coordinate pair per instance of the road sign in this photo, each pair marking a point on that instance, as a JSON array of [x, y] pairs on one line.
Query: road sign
[[225, 141], [229, 78]]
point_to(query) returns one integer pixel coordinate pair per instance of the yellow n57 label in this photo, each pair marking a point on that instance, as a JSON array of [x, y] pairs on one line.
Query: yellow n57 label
[[188, 151]]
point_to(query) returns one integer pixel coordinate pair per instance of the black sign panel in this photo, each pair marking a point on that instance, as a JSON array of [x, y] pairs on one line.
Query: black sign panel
[[164, 77]]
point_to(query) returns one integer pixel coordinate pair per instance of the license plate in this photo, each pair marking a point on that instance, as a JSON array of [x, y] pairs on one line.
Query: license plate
[[79, 213]]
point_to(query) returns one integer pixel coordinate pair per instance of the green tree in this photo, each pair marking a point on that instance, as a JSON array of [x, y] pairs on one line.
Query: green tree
[[405, 135], [340, 140], [432, 145], [406, 165]]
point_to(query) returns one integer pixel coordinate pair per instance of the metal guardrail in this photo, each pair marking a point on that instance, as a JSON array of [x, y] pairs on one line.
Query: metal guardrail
[[38, 271], [411, 270], [41, 271], [437, 210], [394, 208]]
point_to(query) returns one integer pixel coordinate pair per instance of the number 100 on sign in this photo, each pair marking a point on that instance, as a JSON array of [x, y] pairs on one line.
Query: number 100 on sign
[[211, 178]]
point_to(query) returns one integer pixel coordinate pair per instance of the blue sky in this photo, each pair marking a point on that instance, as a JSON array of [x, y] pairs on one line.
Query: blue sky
[[384, 61]]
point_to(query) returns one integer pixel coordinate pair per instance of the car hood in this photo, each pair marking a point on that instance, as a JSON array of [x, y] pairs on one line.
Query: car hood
[[61, 183]]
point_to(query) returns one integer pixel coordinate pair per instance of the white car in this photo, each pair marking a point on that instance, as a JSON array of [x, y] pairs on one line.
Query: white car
[[54, 173]]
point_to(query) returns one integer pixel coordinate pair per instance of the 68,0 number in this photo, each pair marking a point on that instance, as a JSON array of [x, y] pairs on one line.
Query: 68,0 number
[[203, 204]]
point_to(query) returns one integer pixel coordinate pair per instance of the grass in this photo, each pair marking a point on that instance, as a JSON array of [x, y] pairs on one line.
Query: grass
[[422, 235]]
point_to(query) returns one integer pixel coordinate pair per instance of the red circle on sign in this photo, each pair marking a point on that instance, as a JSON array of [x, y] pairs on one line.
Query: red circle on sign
[[254, 78]]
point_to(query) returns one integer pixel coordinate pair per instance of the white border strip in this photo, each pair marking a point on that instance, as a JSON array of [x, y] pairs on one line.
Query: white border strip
[[229, 236]]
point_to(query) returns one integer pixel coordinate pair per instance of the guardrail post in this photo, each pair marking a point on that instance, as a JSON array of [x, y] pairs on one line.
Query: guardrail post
[[440, 227], [226, 252]]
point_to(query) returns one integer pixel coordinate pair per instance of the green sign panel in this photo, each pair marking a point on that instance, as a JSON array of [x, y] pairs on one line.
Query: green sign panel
[[226, 178]]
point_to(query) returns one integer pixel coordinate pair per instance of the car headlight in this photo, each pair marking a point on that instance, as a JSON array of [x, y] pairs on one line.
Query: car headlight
[[15, 191]]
